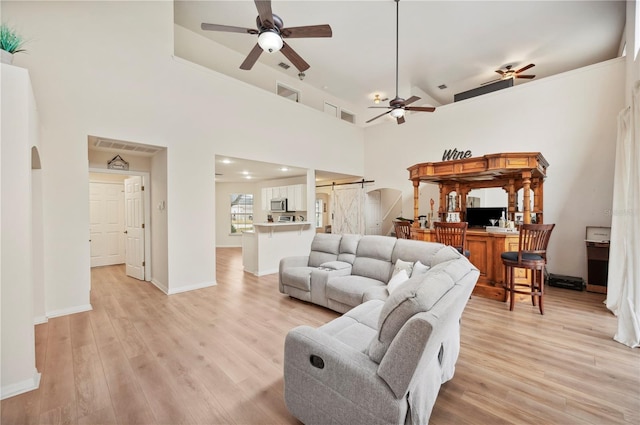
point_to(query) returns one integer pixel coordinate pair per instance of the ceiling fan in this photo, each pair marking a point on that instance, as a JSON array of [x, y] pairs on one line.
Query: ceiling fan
[[271, 36], [510, 73], [398, 106]]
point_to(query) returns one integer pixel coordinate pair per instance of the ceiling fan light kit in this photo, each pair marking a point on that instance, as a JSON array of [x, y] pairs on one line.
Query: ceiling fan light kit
[[397, 113], [270, 41], [398, 106], [271, 35]]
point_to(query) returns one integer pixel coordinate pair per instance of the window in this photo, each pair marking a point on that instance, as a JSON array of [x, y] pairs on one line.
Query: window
[[241, 212], [288, 92], [319, 208]]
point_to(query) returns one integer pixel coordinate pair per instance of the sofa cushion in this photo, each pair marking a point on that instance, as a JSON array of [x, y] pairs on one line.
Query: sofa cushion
[[373, 258], [419, 269], [400, 265], [416, 295], [350, 289], [324, 247], [412, 250], [397, 280], [444, 254], [348, 248], [357, 327], [298, 277]]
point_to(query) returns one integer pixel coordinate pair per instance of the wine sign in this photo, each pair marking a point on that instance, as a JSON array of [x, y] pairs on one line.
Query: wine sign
[[453, 154]]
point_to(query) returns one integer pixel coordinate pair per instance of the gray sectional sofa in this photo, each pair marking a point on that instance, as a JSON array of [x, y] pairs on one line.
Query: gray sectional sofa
[[384, 360], [343, 271]]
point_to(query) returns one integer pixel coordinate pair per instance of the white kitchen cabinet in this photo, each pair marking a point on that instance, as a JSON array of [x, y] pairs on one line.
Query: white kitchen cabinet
[[297, 197]]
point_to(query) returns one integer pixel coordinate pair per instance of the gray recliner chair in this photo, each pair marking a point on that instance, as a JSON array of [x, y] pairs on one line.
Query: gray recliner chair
[[382, 362]]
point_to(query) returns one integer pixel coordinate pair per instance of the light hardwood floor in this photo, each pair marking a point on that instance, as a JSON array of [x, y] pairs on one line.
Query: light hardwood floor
[[214, 356]]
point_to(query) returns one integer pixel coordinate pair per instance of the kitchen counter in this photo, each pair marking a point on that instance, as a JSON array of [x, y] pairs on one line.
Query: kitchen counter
[[263, 248]]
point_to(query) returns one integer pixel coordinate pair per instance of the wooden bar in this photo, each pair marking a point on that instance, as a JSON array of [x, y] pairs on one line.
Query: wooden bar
[[485, 249]]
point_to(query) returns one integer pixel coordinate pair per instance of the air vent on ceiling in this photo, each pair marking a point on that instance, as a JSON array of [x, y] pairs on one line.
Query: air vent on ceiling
[[126, 146], [284, 65], [442, 86]]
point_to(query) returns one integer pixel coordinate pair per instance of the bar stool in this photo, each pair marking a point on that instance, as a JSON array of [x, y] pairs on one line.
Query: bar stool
[[453, 234], [531, 255], [402, 229]]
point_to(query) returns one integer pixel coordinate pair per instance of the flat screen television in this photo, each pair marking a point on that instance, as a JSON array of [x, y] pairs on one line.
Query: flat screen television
[[479, 217]]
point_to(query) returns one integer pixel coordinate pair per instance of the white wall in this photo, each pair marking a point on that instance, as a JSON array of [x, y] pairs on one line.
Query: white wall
[[100, 159], [19, 134], [124, 84], [570, 118], [159, 211]]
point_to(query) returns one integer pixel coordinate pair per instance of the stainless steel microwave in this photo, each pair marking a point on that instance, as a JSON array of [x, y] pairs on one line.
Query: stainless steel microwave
[[278, 205]]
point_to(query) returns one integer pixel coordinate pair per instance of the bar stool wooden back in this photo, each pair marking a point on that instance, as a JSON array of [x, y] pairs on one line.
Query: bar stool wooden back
[[402, 229], [454, 234], [531, 255]]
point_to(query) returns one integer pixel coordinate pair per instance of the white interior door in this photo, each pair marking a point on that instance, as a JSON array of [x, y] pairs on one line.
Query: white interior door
[[106, 215], [372, 213], [348, 210], [134, 227]]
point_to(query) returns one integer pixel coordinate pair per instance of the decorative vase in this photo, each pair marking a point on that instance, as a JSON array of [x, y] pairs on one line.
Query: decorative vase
[[6, 57]]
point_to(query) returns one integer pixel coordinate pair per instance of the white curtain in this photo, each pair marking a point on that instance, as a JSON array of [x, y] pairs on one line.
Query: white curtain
[[348, 210], [623, 292]]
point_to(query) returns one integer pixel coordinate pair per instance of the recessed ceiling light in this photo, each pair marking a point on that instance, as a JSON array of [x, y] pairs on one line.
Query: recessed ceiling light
[[247, 177], [226, 161], [284, 169], [245, 173]]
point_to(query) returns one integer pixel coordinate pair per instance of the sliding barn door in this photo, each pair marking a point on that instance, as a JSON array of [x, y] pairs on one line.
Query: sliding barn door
[[348, 210]]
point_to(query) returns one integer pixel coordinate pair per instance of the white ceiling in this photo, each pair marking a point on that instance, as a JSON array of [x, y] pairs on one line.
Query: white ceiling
[[235, 170], [456, 43]]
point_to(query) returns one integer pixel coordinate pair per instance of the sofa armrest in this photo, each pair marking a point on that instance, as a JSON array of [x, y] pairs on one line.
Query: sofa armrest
[[348, 380], [286, 262], [336, 265]]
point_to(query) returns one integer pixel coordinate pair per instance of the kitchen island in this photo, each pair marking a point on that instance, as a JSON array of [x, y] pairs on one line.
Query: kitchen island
[[268, 243]]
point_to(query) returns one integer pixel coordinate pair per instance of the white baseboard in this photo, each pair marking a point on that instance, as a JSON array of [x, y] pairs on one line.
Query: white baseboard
[[21, 387], [265, 272], [159, 285], [66, 311], [191, 287], [38, 320]]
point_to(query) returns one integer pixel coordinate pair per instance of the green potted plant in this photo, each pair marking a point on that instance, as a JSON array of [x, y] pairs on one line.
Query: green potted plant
[[10, 42]]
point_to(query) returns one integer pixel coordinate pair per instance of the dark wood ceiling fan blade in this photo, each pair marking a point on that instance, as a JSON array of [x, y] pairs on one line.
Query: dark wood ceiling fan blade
[[265, 13], [499, 71], [227, 28], [411, 100], [420, 108], [252, 58], [379, 107], [308, 31], [381, 115], [524, 68], [295, 58], [528, 77], [400, 120], [489, 82]]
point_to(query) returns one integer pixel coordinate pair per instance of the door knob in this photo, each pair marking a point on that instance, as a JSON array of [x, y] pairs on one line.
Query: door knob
[[125, 231]]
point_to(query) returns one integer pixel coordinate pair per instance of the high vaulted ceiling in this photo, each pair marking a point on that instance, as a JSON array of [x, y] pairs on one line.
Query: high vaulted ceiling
[[459, 44]]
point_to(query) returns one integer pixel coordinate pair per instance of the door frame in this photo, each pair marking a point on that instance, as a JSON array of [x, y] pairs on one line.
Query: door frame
[[146, 181]]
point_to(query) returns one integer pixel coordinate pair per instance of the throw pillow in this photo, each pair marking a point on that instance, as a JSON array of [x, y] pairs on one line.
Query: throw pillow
[[402, 265], [419, 268], [400, 278]]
